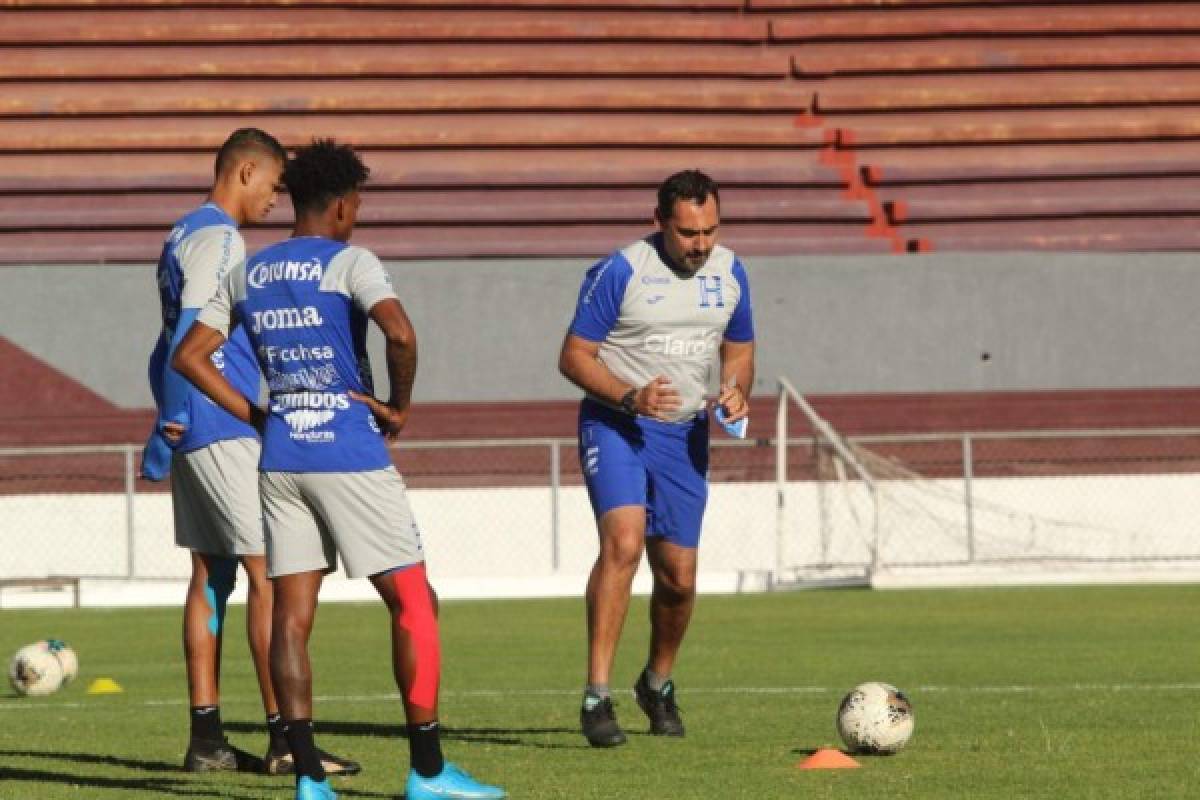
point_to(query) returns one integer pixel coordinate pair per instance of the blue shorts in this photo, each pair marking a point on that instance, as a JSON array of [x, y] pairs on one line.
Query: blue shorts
[[661, 466]]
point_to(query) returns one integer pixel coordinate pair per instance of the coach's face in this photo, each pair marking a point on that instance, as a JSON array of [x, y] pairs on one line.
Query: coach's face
[[691, 233], [260, 179]]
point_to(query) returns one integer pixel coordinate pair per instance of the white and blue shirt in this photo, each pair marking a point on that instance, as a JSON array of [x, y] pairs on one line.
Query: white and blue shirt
[[304, 304], [198, 253], [652, 320]]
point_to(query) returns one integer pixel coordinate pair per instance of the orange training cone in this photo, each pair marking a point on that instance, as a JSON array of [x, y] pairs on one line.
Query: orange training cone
[[828, 758]]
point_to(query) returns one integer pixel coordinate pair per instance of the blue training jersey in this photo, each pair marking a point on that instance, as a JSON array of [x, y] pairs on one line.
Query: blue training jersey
[[201, 248], [304, 304], [652, 320]]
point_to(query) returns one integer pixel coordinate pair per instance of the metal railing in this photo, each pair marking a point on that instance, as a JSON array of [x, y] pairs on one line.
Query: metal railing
[[780, 506]]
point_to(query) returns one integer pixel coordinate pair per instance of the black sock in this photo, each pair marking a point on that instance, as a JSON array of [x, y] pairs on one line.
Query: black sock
[[275, 732], [425, 748], [299, 733], [206, 723]]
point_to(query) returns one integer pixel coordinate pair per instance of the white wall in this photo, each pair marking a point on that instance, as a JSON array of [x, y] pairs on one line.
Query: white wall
[[498, 542]]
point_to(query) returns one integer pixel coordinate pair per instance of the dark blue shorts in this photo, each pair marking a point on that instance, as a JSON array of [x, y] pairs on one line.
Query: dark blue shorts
[[661, 466]]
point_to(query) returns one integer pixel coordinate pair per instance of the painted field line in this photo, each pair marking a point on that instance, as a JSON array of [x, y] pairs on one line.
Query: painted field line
[[39, 704]]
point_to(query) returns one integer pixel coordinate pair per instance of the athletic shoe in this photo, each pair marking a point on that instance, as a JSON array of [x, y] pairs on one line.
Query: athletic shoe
[[308, 789], [659, 707], [451, 783], [599, 722], [204, 755], [279, 762]]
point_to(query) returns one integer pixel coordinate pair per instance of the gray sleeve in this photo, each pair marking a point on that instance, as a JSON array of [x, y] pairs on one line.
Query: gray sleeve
[[205, 258], [359, 275], [218, 312]]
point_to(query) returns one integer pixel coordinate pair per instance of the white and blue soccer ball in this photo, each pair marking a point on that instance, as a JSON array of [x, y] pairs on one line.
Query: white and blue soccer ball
[[43, 667], [875, 718]]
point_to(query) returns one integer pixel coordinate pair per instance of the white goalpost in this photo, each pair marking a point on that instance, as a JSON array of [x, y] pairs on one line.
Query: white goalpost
[[865, 511]]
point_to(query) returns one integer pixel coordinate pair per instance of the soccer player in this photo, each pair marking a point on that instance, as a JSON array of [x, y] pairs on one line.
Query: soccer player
[[214, 457], [651, 322], [327, 482]]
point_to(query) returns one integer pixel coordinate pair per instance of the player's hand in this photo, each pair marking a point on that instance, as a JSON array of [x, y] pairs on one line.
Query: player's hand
[[734, 402], [658, 398], [391, 420], [173, 432]]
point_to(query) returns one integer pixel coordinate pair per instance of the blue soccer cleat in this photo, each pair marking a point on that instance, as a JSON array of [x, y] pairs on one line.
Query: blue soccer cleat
[[308, 789], [452, 783]]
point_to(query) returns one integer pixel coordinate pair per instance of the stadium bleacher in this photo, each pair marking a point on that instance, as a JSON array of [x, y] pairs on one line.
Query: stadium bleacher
[[837, 126]]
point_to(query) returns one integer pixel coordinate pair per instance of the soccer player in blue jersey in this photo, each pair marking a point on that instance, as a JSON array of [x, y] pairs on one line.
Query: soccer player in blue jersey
[[213, 456], [327, 482], [652, 322]]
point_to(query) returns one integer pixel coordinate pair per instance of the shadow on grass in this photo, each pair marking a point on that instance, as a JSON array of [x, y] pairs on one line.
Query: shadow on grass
[[157, 787], [96, 758], [512, 737]]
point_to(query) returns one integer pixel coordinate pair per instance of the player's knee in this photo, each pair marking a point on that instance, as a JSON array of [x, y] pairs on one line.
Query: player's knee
[[256, 573], [677, 586], [622, 548]]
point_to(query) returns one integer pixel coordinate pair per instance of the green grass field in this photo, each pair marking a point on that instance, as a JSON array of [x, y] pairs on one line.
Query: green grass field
[[1054, 693]]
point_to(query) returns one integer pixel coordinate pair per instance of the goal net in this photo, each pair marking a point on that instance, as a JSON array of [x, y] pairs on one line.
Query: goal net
[[985, 508]]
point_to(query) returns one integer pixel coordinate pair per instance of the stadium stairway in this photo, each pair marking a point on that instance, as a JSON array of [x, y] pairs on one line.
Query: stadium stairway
[[1009, 125]]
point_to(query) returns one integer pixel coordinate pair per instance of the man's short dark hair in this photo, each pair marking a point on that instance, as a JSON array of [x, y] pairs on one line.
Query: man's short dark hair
[[242, 143], [691, 184], [321, 172]]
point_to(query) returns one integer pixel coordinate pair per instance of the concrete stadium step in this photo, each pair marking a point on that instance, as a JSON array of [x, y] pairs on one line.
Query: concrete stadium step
[[876, 5], [325, 95], [460, 5], [982, 127], [1044, 19], [439, 131], [846, 95], [412, 207], [1130, 197], [253, 60], [570, 167], [458, 241], [1122, 234], [892, 165], [987, 55], [342, 23]]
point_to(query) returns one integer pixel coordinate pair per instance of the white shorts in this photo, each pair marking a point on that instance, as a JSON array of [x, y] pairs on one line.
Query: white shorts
[[313, 517], [214, 493]]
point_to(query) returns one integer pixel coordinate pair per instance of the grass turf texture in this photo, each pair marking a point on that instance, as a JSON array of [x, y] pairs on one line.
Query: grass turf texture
[[1055, 693]]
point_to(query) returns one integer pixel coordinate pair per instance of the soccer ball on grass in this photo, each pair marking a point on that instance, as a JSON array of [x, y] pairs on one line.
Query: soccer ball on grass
[[43, 667], [875, 718]]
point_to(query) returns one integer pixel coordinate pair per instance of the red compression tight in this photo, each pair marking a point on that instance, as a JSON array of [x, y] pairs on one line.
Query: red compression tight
[[418, 667]]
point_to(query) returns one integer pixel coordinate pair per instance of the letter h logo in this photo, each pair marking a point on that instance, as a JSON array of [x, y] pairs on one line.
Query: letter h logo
[[710, 289]]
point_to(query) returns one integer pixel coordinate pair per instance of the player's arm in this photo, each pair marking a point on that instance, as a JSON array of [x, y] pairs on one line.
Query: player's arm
[[401, 356], [578, 363], [737, 352], [193, 356], [193, 360], [596, 314], [366, 283], [209, 254], [156, 455], [737, 377]]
